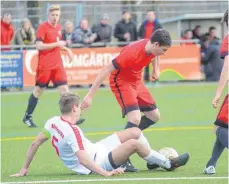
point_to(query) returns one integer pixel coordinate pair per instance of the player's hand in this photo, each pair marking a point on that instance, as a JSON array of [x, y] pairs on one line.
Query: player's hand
[[215, 101], [22, 173], [116, 172], [87, 101], [70, 54], [155, 75], [61, 43]]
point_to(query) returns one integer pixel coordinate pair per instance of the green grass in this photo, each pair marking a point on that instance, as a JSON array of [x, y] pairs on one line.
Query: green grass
[[180, 106]]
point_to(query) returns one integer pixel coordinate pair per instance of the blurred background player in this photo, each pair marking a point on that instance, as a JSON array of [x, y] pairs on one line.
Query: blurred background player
[[50, 66], [82, 156], [126, 84], [221, 123]]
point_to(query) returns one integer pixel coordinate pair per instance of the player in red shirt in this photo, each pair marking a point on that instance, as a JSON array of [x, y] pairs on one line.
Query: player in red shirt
[[50, 66], [221, 123], [126, 79]]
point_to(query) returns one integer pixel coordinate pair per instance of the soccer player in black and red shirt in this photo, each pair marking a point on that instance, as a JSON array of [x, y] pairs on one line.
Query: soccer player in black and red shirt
[[221, 123]]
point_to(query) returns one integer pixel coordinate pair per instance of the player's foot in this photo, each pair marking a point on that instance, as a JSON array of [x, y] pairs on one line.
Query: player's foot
[[178, 161], [80, 121], [28, 120], [175, 162], [153, 166], [128, 167], [209, 170]]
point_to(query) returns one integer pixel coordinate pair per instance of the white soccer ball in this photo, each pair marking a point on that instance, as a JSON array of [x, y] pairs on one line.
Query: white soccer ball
[[169, 153]]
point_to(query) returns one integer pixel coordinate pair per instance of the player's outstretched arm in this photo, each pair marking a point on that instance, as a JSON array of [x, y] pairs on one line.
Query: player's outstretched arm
[[104, 73], [41, 138], [222, 82], [156, 69], [86, 161], [48, 46]]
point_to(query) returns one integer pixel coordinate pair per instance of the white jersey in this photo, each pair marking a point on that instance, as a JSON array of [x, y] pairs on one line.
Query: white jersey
[[67, 139]]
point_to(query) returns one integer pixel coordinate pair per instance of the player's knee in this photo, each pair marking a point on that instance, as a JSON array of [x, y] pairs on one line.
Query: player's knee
[[135, 119], [63, 89], [135, 132], [38, 91], [133, 143], [154, 116]]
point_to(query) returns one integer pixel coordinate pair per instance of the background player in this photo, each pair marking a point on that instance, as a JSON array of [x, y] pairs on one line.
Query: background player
[[126, 84], [50, 66], [82, 156], [221, 123]]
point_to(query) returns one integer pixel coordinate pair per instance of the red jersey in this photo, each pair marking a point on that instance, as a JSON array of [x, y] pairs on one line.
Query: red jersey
[[7, 33], [224, 48], [149, 27], [130, 62], [49, 59]]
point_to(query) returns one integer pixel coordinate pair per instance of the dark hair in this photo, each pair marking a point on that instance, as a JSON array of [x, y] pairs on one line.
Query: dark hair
[[66, 102], [162, 37], [187, 30], [211, 28], [205, 38], [225, 17], [197, 26], [125, 11]]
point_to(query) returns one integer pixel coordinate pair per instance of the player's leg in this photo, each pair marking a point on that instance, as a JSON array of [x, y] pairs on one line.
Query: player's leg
[[119, 156], [221, 142], [125, 94], [42, 79], [222, 122], [125, 143], [147, 106]]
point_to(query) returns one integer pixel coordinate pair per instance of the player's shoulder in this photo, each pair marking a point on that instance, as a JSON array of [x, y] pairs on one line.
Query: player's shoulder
[[225, 40], [54, 120], [58, 26], [43, 25], [138, 44]]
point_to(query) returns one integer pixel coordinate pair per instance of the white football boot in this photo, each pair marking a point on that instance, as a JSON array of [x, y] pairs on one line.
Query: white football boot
[[209, 170]]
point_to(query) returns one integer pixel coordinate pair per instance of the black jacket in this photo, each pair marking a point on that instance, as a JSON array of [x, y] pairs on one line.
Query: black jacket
[[121, 28], [141, 32], [103, 32], [211, 62]]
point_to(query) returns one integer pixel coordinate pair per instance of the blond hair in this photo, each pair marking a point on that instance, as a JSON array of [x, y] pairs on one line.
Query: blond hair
[[53, 7]]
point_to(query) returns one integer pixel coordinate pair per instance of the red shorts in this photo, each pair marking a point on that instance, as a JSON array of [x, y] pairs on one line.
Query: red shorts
[[222, 118], [57, 76], [133, 96]]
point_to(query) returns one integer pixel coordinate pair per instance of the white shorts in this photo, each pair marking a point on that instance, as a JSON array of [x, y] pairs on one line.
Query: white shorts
[[104, 147]]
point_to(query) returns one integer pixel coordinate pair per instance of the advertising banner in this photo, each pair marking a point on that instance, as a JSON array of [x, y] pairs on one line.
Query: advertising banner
[[11, 63], [179, 63]]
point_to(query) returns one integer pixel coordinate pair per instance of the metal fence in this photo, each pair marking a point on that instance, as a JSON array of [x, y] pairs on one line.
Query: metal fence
[[98, 44], [92, 10]]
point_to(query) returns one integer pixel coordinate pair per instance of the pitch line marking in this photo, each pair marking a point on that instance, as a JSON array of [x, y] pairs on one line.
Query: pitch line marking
[[110, 132], [118, 179]]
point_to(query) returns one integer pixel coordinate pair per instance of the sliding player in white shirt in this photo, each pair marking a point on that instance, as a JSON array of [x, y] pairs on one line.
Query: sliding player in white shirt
[[84, 157]]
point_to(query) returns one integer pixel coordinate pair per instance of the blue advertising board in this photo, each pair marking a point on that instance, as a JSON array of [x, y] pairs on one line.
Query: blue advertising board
[[11, 65]]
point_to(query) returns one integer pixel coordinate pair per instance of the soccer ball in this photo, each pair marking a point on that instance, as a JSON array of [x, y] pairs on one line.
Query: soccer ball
[[169, 153]]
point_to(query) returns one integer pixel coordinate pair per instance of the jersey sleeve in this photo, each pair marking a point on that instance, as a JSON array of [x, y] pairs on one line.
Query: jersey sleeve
[[46, 129], [124, 59], [75, 140], [224, 48], [40, 35]]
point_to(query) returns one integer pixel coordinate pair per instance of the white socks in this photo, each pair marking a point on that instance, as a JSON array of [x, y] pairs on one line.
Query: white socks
[[154, 157], [144, 141], [157, 158]]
